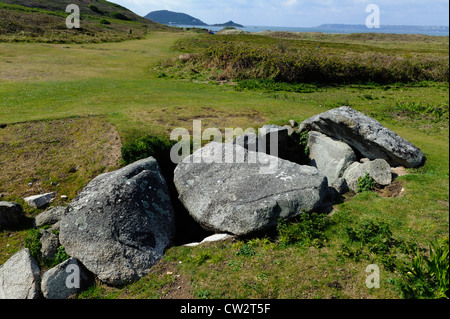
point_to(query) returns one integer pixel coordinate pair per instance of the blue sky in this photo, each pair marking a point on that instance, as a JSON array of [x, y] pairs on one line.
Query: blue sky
[[300, 13]]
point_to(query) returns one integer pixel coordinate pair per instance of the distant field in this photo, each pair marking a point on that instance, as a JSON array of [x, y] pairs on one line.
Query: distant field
[[61, 103]]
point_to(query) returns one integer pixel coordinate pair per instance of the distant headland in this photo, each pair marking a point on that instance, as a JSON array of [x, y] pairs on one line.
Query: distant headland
[[177, 18]]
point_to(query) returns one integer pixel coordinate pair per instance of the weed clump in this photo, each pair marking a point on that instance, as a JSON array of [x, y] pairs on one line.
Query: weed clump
[[307, 230], [365, 184]]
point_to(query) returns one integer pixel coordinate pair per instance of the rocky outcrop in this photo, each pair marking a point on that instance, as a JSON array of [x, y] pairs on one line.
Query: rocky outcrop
[[366, 135], [233, 196], [121, 223]]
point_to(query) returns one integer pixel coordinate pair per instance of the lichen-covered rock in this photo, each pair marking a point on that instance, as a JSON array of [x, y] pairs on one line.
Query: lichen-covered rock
[[121, 223]]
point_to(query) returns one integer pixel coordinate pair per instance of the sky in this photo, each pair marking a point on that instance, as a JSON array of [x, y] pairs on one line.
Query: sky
[[300, 13]]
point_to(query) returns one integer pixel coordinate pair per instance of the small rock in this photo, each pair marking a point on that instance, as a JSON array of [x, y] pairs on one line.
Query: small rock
[[50, 216], [293, 123], [341, 186], [379, 170], [290, 130], [39, 201], [49, 244], [65, 279]]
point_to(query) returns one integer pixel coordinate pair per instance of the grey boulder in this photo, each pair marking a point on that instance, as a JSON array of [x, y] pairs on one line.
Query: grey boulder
[[19, 277], [65, 280], [330, 156], [119, 226], [50, 216], [248, 193], [366, 135], [11, 214], [379, 170]]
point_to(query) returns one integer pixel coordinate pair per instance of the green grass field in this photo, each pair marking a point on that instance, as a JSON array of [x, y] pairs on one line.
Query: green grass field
[[65, 110]]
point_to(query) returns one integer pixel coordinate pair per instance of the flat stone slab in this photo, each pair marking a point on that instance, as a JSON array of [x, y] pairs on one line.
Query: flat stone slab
[[366, 135]]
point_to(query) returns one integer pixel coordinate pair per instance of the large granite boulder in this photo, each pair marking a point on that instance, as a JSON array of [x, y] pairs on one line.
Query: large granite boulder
[[229, 189], [366, 135], [19, 277], [330, 156], [121, 223]]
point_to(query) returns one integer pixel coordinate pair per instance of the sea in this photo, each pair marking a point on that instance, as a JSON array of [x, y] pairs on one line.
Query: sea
[[335, 28]]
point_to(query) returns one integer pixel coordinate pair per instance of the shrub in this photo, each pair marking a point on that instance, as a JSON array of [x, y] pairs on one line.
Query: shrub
[[158, 147], [119, 16], [33, 243], [239, 58], [365, 184], [303, 142], [246, 250], [95, 8], [104, 21]]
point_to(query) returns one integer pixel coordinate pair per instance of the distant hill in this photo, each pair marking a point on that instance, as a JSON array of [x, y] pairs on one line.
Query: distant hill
[[177, 18], [228, 24], [45, 21], [169, 17]]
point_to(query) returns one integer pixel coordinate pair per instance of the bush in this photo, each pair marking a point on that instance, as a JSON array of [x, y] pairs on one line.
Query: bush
[[104, 21], [119, 16], [365, 184], [308, 229], [147, 146], [95, 8]]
